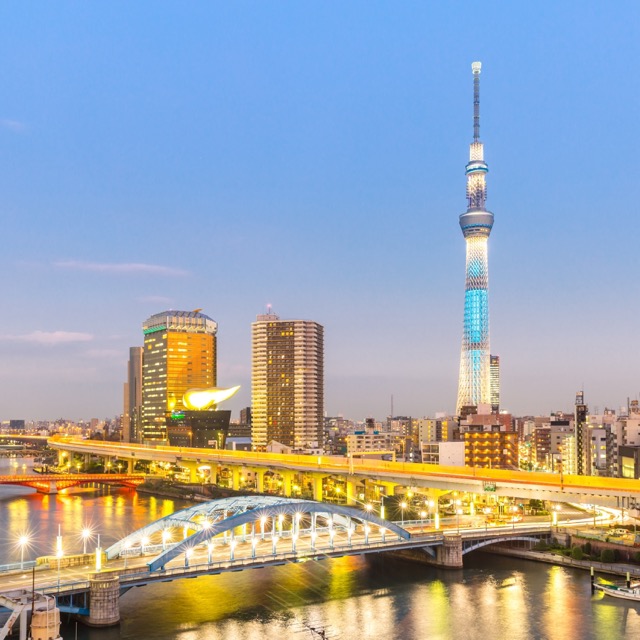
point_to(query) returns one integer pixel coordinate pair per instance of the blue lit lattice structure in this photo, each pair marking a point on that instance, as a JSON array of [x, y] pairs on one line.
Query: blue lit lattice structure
[[474, 386]]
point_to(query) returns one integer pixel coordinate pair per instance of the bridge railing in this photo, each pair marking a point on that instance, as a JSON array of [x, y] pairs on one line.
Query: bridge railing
[[17, 566]]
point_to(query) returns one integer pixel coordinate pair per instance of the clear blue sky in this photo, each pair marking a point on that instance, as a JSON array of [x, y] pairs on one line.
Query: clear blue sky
[[226, 155]]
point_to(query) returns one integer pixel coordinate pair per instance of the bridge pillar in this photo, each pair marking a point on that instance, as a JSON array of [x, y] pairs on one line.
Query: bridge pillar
[[62, 455], [104, 600], [213, 474], [130, 465], [449, 554], [87, 461], [351, 491], [287, 481], [317, 487], [259, 480], [235, 478], [192, 467]]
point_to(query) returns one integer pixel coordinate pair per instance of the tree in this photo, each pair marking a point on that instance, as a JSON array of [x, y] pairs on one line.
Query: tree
[[576, 553], [607, 555]]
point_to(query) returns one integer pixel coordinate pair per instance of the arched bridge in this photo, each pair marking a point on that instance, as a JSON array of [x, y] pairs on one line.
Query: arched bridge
[[269, 524], [52, 483]]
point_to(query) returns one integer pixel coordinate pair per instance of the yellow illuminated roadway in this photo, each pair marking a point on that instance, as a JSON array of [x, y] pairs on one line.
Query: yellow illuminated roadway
[[524, 484]]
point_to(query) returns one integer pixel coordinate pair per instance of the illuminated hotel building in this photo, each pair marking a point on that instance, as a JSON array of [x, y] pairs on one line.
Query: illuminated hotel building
[[287, 382], [474, 386], [179, 354]]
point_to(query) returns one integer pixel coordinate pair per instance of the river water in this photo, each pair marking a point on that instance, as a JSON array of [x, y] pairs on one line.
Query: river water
[[493, 597]]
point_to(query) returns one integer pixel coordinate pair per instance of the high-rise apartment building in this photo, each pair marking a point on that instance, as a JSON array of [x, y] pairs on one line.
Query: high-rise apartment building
[[179, 354], [132, 413], [474, 386], [583, 448], [494, 370], [287, 382]]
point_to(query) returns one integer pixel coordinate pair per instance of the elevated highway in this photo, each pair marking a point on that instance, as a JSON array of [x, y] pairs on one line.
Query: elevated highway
[[613, 492]]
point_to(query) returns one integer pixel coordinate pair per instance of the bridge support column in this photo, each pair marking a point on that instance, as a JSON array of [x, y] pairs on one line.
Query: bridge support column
[[287, 481], [87, 462], [104, 601], [259, 480], [317, 487], [235, 478], [130, 465], [62, 456], [449, 554], [351, 491], [192, 467]]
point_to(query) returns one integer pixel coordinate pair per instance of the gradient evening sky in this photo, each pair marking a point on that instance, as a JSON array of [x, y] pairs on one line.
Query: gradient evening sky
[[311, 155]]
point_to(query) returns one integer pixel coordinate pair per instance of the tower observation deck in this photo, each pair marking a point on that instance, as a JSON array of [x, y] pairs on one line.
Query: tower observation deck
[[474, 386]]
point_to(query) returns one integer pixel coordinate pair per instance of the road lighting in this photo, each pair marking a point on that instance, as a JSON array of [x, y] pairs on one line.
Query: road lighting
[[166, 536], [458, 514], [423, 515], [86, 535], [403, 506], [23, 541], [125, 549], [59, 556]]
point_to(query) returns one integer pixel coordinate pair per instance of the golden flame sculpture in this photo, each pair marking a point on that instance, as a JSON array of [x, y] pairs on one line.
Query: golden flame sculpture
[[202, 399]]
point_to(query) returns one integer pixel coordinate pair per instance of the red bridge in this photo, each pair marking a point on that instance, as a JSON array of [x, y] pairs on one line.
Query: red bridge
[[53, 482]]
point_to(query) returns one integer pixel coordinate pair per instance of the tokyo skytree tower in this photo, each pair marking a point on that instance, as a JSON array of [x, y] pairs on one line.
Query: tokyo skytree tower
[[476, 224]]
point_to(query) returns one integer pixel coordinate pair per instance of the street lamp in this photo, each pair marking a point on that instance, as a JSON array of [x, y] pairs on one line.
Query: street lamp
[[403, 506], [458, 514], [59, 556], [423, 515], [23, 541], [166, 536], [125, 549], [86, 534]]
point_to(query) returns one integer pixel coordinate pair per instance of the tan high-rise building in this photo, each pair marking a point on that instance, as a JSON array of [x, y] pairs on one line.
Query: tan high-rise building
[[179, 354], [287, 382]]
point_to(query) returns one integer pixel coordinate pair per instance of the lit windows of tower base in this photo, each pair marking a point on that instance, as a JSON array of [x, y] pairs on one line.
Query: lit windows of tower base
[[494, 367], [474, 386]]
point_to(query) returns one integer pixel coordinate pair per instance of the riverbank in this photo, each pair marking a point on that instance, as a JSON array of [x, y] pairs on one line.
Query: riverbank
[[194, 493], [614, 568]]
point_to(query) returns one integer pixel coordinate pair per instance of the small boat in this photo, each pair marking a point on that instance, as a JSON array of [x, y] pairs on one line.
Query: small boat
[[626, 593]]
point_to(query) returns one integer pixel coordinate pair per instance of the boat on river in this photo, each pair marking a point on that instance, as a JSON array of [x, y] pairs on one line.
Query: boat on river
[[626, 593]]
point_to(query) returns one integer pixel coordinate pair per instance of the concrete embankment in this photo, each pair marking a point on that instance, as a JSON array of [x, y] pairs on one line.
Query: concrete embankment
[[614, 568]]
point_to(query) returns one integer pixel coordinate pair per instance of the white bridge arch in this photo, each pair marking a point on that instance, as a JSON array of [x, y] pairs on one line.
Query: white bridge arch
[[267, 516]]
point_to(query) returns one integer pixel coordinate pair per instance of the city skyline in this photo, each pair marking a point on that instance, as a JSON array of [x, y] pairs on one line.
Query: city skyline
[[224, 159]]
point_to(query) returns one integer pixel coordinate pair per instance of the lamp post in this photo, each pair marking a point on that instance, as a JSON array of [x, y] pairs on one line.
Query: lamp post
[[23, 542], [125, 549], [98, 556], [403, 506], [86, 535], [59, 557], [423, 515]]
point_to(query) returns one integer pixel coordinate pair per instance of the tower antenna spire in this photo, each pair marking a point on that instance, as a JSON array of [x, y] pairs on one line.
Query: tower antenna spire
[[476, 67]]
